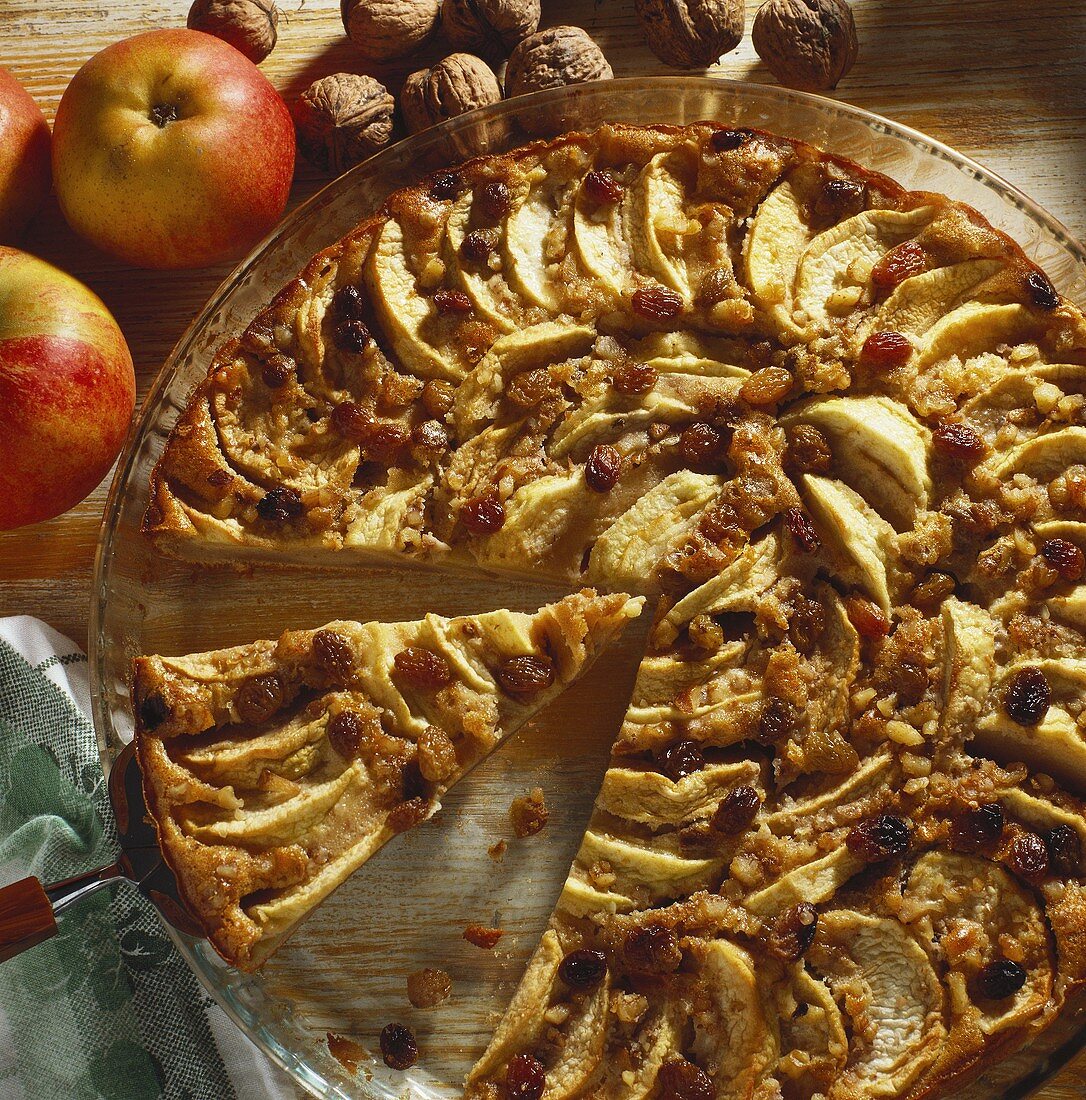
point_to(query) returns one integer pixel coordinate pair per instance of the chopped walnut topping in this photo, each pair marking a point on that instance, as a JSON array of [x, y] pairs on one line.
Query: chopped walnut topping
[[428, 988], [528, 813], [482, 936]]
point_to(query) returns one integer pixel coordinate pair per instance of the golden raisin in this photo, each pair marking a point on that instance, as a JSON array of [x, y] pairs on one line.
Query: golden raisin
[[656, 303], [766, 386], [808, 450], [428, 988], [633, 379], [259, 698], [529, 814], [526, 674], [422, 668], [899, 264], [333, 656]]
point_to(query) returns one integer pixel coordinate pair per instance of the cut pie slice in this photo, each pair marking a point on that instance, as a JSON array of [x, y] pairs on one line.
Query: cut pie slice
[[275, 769]]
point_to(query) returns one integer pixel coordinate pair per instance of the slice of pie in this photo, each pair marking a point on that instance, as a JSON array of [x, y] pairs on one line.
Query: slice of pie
[[275, 769]]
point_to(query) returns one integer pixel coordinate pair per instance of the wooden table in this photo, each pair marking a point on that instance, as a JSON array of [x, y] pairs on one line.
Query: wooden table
[[1002, 80]]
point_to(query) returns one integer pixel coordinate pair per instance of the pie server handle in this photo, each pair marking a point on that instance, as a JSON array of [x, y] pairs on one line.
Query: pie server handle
[[28, 910]]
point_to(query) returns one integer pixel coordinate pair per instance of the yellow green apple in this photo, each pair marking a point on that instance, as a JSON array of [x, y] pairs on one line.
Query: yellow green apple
[[67, 390], [24, 158], [171, 149]]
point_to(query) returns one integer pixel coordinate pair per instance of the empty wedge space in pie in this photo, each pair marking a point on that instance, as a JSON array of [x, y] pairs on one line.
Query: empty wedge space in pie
[[835, 429]]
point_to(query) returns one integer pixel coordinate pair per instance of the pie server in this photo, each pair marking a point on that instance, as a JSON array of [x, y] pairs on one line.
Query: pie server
[[29, 910]]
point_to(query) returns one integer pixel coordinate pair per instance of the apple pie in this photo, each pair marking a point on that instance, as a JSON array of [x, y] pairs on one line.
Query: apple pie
[[837, 428]]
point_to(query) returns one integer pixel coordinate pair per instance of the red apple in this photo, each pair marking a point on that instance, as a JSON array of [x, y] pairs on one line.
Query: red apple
[[67, 390], [24, 158], [171, 149]]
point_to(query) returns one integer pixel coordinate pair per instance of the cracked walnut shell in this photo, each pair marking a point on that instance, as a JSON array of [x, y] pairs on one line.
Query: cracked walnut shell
[[383, 29], [806, 44], [250, 26], [342, 119], [489, 28], [691, 34]]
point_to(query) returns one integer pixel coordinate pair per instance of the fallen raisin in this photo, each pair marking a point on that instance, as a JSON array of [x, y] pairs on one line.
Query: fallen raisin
[[802, 530], [736, 811], [879, 838], [526, 674], [154, 710], [452, 301], [333, 656], [445, 185], [724, 141], [1065, 557], [583, 969], [657, 303], [602, 468], [398, 1047], [840, 199], [700, 443], [494, 200], [652, 950], [525, 1078], [1028, 856], [808, 450], [428, 988], [259, 698], [977, 827], [999, 979], [483, 937], [475, 248], [528, 814], [347, 734], [348, 304], [1027, 697], [352, 336], [1041, 291], [766, 386], [958, 441], [422, 668], [899, 264], [679, 1079], [867, 618], [886, 350], [680, 759], [793, 931], [482, 515], [602, 188], [633, 379], [279, 505], [1064, 851], [276, 371]]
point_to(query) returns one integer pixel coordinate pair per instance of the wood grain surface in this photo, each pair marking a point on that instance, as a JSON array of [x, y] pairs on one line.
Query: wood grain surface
[[1001, 80]]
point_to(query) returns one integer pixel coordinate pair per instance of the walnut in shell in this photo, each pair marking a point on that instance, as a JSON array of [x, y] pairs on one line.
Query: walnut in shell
[[381, 29], [553, 58], [250, 26], [691, 34], [342, 119], [489, 28], [807, 44], [460, 83]]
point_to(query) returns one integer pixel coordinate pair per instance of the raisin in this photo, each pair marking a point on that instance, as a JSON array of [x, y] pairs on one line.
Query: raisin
[[438, 397], [634, 379], [879, 838], [482, 515], [776, 721], [867, 618], [1028, 856], [899, 264], [806, 624], [1064, 851], [724, 141], [529, 387], [700, 443], [445, 185], [1041, 291], [408, 814], [679, 1079], [1028, 697], [154, 710], [656, 303], [720, 522], [436, 755], [347, 734], [808, 450], [352, 421], [452, 301], [736, 811], [792, 932], [681, 758], [276, 371], [352, 336], [428, 988], [526, 674], [715, 286], [479, 935], [909, 680], [840, 199], [348, 304], [977, 827], [886, 350], [398, 1047], [958, 442], [933, 589], [494, 200], [653, 949], [602, 188], [279, 505], [583, 969], [602, 469], [475, 247], [802, 530], [766, 386], [1065, 557], [525, 1078], [999, 979], [422, 668], [259, 698], [333, 656]]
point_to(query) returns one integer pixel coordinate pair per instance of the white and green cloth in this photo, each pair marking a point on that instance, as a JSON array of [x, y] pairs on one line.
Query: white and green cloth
[[107, 1008]]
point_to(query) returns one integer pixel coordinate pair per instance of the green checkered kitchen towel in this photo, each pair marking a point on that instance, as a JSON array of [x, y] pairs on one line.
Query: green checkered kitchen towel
[[106, 1008]]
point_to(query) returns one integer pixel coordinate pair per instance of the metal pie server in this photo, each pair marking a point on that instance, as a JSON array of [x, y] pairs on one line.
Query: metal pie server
[[29, 909]]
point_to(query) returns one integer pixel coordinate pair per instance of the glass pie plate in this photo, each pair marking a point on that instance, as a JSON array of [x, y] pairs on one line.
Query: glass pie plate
[[345, 970]]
